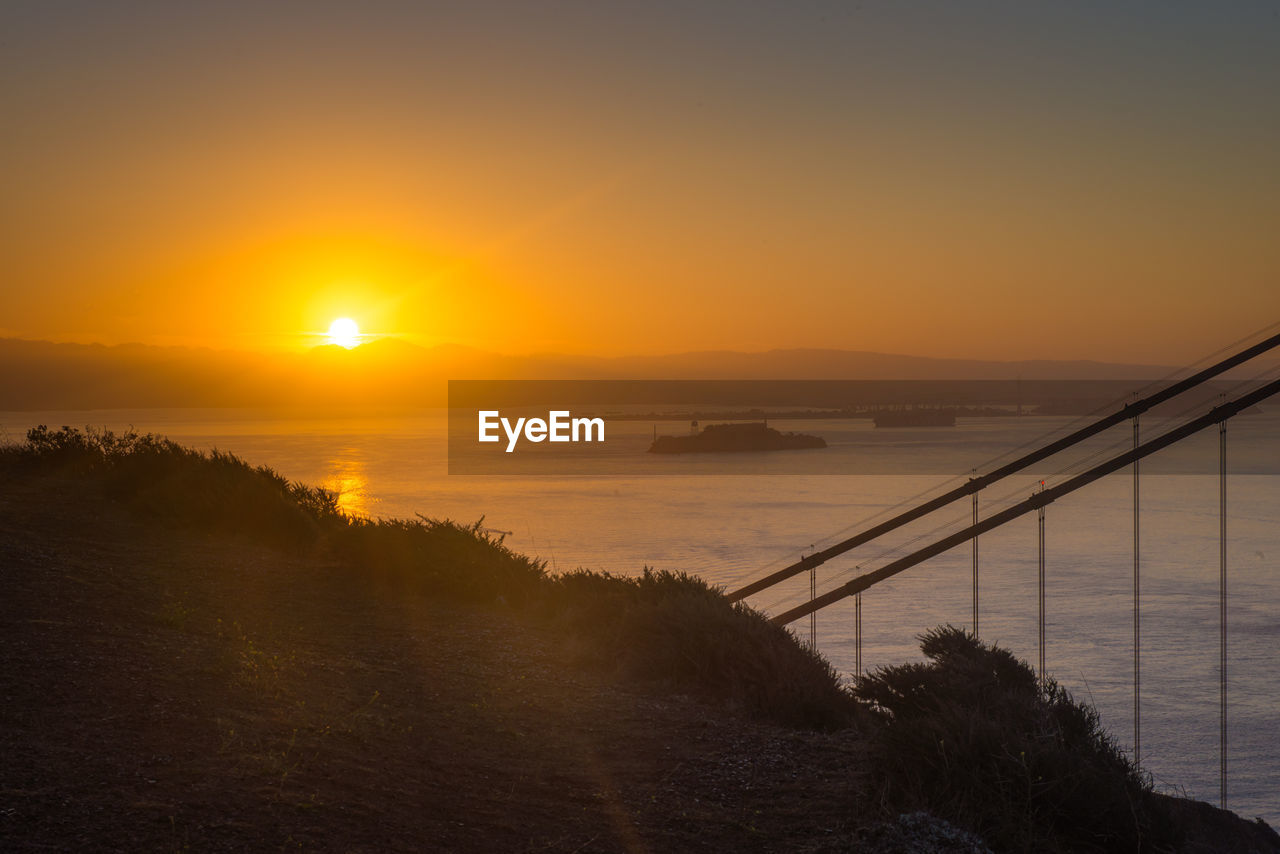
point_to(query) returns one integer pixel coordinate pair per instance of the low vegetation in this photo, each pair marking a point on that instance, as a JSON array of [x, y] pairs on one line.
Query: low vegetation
[[975, 736], [674, 629], [662, 627], [160, 478]]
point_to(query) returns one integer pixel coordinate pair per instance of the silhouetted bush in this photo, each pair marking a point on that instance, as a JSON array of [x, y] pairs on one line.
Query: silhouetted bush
[[161, 478], [674, 629], [216, 490], [440, 556], [974, 736]]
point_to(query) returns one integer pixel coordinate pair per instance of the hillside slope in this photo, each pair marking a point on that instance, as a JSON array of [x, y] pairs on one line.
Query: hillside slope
[[199, 654], [174, 690]]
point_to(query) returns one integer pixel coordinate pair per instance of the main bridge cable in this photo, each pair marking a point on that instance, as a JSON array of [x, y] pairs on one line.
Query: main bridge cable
[[1035, 502], [1012, 452], [1011, 497], [975, 484]]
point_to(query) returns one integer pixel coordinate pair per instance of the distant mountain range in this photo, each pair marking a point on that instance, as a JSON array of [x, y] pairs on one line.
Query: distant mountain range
[[393, 373]]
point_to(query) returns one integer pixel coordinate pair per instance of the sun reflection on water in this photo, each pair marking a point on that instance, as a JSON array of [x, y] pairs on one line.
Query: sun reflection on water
[[348, 479]]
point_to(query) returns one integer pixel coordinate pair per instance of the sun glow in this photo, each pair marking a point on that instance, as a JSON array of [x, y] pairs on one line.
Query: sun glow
[[344, 332]]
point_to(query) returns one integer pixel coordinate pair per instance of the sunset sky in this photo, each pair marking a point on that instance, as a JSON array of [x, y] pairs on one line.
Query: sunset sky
[[979, 180]]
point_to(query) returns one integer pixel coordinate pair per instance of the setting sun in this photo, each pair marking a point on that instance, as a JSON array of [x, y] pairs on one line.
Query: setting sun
[[344, 332]]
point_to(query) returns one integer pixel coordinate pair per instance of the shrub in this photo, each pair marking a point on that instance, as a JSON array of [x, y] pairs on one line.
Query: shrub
[[161, 478], [216, 490], [974, 736], [674, 629], [442, 557]]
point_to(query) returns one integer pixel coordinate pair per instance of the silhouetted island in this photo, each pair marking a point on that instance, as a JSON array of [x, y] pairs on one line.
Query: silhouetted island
[[753, 436]]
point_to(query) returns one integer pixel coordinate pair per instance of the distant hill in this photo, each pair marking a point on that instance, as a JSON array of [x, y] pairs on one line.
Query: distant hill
[[396, 373], [862, 365]]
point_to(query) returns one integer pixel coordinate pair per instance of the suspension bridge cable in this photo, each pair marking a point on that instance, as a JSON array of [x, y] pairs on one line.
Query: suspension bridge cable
[[1034, 441], [1218, 414], [1131, 410]]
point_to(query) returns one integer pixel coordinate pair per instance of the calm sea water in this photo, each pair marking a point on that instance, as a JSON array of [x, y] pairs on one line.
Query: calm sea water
[[732, 528]]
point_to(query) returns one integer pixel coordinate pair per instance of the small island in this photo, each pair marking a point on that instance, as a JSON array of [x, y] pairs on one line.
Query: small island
[[737, 438]]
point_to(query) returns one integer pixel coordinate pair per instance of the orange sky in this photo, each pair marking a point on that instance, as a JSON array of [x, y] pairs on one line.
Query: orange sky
[[996, 182]]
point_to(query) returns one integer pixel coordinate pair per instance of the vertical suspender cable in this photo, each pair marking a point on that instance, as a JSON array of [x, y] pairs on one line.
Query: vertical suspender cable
[[1043, 675], [1137, 624], [857, 634], [975, 562], [1222, 607], [813, 618]]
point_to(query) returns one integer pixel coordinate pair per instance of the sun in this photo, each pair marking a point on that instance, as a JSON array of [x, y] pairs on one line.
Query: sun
[[344, 332]]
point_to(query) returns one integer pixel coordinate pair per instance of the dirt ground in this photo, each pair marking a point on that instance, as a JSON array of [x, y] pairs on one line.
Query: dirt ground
[[167, 690]]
